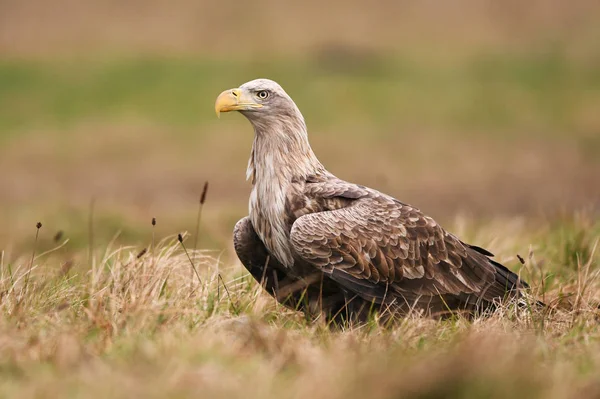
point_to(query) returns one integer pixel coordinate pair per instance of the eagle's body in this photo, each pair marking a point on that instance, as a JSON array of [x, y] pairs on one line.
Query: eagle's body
[[324, 245]]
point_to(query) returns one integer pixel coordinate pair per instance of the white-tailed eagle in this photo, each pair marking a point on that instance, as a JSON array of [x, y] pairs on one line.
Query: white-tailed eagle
[[326, 246]]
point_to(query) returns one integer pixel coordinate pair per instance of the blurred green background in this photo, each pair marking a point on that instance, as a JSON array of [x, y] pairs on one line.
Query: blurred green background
[[483, 108]]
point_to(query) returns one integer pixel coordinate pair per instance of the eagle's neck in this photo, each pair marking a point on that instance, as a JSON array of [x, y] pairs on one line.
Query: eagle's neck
[[281, 154], [282, 146]]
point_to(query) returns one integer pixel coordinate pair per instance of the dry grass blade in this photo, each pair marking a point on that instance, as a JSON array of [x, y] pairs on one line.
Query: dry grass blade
[[180, 239], [37, 233]]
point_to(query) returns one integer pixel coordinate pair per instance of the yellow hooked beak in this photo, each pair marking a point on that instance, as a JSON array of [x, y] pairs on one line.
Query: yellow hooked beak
[[234, 100]]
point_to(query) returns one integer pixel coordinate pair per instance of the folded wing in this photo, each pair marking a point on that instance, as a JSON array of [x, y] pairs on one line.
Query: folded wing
[[383, 250]]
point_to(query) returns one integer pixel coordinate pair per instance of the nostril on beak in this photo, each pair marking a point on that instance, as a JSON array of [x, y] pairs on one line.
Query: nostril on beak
[[234, 93]]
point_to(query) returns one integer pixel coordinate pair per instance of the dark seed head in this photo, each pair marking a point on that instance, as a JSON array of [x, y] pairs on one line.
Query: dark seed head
[[153, 221], [521, 259], [38, 225], [58, 235], [142, 253], [180, 237], [204, 190]]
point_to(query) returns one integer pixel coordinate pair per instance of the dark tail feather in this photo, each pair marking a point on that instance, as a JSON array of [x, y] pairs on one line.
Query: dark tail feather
[[511, 283], [507, 279]]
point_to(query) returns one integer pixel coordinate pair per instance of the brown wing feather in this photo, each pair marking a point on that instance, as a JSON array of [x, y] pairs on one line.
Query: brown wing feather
[[378, 246]]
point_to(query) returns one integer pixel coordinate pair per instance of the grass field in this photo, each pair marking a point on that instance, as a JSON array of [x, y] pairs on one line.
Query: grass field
[[135, 324], [483, 114]]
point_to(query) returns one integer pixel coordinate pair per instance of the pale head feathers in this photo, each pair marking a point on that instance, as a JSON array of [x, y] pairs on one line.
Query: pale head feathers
[[281, 138]]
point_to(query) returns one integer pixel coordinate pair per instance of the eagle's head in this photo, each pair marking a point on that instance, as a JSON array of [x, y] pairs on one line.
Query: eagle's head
[[262, 101], [280, 137]]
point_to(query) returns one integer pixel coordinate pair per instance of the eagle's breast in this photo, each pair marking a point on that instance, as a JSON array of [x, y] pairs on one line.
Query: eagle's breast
[[269, 215]]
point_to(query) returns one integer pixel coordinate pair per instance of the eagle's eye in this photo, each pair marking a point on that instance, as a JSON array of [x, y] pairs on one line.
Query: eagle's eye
[[263, 94]]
